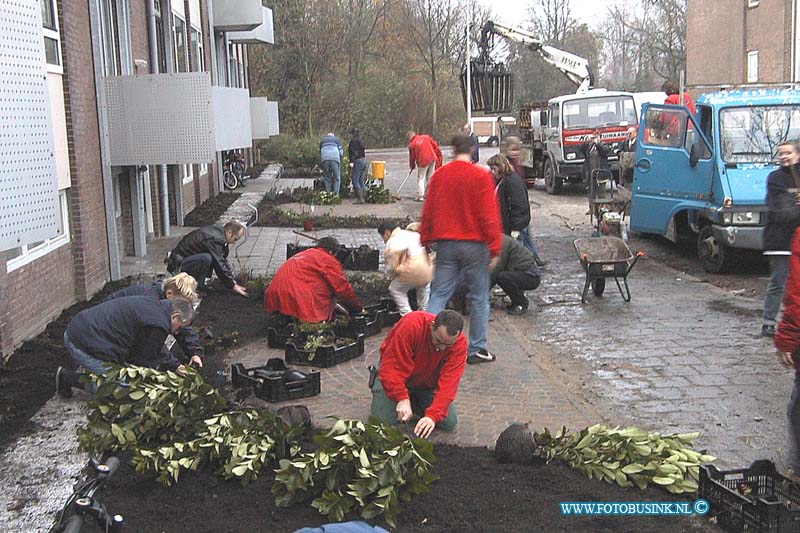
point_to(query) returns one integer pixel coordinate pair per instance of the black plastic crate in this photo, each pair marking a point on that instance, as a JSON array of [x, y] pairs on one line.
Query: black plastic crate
[[274, 382], [324, 356], [278, 337], [367, 325], [756, 499]]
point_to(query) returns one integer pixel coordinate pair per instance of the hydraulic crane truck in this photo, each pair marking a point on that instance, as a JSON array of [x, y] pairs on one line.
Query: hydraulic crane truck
[[553, 131]]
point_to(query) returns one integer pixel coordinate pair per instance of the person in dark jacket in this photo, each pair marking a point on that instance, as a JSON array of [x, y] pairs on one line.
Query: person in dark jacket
[[476, 153], [129, 330], [181, 285], [595, 158], [626, 152], [515, 208], [783, 217], [356, 152], [515, 273], [205, 250]]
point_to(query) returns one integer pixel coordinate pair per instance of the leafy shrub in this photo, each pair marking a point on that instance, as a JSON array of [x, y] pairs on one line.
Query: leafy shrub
[[368, 467], [289, 151], [377, 193]]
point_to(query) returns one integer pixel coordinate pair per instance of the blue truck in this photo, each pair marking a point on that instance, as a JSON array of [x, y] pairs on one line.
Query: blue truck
[[704, 176]]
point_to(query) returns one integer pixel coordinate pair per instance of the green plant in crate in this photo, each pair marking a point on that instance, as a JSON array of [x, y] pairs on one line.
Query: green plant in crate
[[627, 457], [368, 467]]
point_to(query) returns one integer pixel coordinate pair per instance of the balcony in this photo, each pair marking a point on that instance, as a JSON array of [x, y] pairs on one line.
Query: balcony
[[237, 15], [263, 34], [172, 119], [264, 118]]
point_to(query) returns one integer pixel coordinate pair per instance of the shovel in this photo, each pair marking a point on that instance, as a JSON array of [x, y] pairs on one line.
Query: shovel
[[396, 196]]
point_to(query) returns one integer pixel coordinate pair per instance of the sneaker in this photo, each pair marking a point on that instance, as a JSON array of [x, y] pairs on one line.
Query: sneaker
[[768, 330], [481, 356], [497, 291], [62, 387], [541, 262]]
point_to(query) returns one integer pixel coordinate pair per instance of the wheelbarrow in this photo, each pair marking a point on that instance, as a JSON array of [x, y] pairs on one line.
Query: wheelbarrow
[[605, 257]]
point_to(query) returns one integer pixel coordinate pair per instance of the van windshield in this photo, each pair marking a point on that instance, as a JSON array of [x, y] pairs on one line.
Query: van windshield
[[597, 112], [752, 134]]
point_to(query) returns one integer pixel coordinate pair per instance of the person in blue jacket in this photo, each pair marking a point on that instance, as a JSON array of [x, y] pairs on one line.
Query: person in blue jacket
[[330, 153], [181, 285], [128, 330]]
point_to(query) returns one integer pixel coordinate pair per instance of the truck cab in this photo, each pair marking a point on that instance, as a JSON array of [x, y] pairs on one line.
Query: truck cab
[[705, 176]]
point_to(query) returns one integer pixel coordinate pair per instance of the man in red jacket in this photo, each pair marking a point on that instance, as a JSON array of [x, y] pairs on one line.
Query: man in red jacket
[[787, 341], [308, 284], [425, 155], [422, 361], [461, 221]]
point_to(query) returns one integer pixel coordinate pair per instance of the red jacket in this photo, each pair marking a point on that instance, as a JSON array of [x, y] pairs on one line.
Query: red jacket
[[787, 337], [307, 285], [460, 206], [422, 151], [408, 359], [675, 99]]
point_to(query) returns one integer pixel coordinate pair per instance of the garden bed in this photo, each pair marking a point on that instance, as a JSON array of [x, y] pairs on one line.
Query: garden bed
[[209, 211], [475, 493]]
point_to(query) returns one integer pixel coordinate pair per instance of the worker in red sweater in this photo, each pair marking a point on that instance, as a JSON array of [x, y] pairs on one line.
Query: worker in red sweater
[[461, 222], [787, 341], [674, 97], [424, 155], [422, 361], [308, 284]]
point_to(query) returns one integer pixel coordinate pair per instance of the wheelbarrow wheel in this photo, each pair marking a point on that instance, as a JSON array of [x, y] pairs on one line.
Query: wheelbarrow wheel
[[598, 286]]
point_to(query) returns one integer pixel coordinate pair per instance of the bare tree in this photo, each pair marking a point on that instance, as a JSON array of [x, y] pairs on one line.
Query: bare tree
[[552, 20]]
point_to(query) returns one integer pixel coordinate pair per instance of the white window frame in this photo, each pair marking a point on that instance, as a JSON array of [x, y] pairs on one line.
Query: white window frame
[[55, 35], [187, 171], [31, 254], [752, 66], [186, 43], [752, 3], [201, 66]]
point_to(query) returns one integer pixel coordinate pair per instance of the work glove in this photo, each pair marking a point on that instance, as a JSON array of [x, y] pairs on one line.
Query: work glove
[[514, 234]]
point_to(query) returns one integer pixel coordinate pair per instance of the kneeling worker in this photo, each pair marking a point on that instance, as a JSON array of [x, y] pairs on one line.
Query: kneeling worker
[[205, 250], [515, 273], [422, 361], [178, 286], [308, 284], [129, 330]]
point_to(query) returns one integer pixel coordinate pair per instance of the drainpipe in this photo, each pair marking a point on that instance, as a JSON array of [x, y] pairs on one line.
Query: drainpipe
[[214, 81], [793, 45]]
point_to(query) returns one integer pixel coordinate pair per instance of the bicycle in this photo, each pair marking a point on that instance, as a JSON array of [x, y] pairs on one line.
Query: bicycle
[[82, 502], [233, 171]]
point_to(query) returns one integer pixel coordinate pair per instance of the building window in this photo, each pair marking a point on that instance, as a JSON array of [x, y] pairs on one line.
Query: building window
[[109, 38], [52, 42], [752, 66], [21, 256], [179, 34], [187, 171], [196, 44], [203, 169], [752, 3]]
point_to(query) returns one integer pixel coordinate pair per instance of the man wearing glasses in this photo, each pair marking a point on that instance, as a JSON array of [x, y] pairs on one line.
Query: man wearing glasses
[[422, 360]]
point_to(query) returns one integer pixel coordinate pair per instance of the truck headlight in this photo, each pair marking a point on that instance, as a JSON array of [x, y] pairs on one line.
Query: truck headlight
[[746, 218], [727, 218], [570, 156]]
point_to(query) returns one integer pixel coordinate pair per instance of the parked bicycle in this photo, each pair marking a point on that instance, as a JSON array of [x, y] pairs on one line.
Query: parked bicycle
[[233, 170], [82, 503]]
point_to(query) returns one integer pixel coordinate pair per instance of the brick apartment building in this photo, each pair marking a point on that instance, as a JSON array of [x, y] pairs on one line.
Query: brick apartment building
[[742, 42], [113, 118]]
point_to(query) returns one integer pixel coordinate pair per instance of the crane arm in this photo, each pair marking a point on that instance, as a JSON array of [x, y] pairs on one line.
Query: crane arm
[[575, 68]]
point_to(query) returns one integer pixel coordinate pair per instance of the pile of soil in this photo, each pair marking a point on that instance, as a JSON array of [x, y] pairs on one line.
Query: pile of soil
[[27, 380], [210, 210], [475, 493]]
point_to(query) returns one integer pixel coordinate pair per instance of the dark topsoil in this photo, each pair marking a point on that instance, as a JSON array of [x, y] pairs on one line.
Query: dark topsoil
[[474, 493], [209, 211]]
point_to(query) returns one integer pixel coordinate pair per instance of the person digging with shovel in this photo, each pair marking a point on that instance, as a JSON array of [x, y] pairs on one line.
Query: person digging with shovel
[[422, 360]]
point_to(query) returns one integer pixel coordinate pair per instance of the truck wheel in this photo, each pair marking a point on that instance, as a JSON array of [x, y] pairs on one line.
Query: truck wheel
[[598, 286], [714, 256], [552, 183], [492, 141]]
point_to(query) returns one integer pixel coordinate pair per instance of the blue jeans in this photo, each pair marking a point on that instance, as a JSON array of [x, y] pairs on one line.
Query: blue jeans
[[81, 358], [332, 176], [199, 267], [525, 238], [467, 261], [778, 268], [357, 175]]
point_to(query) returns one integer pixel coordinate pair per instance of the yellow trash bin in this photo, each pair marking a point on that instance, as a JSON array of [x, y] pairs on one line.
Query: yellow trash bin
[[378, 169]]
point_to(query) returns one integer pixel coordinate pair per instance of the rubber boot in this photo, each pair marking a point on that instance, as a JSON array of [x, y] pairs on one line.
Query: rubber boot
[[360, 196], [66, 380]]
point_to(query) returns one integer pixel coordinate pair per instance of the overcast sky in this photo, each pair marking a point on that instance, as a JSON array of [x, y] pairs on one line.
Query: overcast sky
[[512, 12]]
